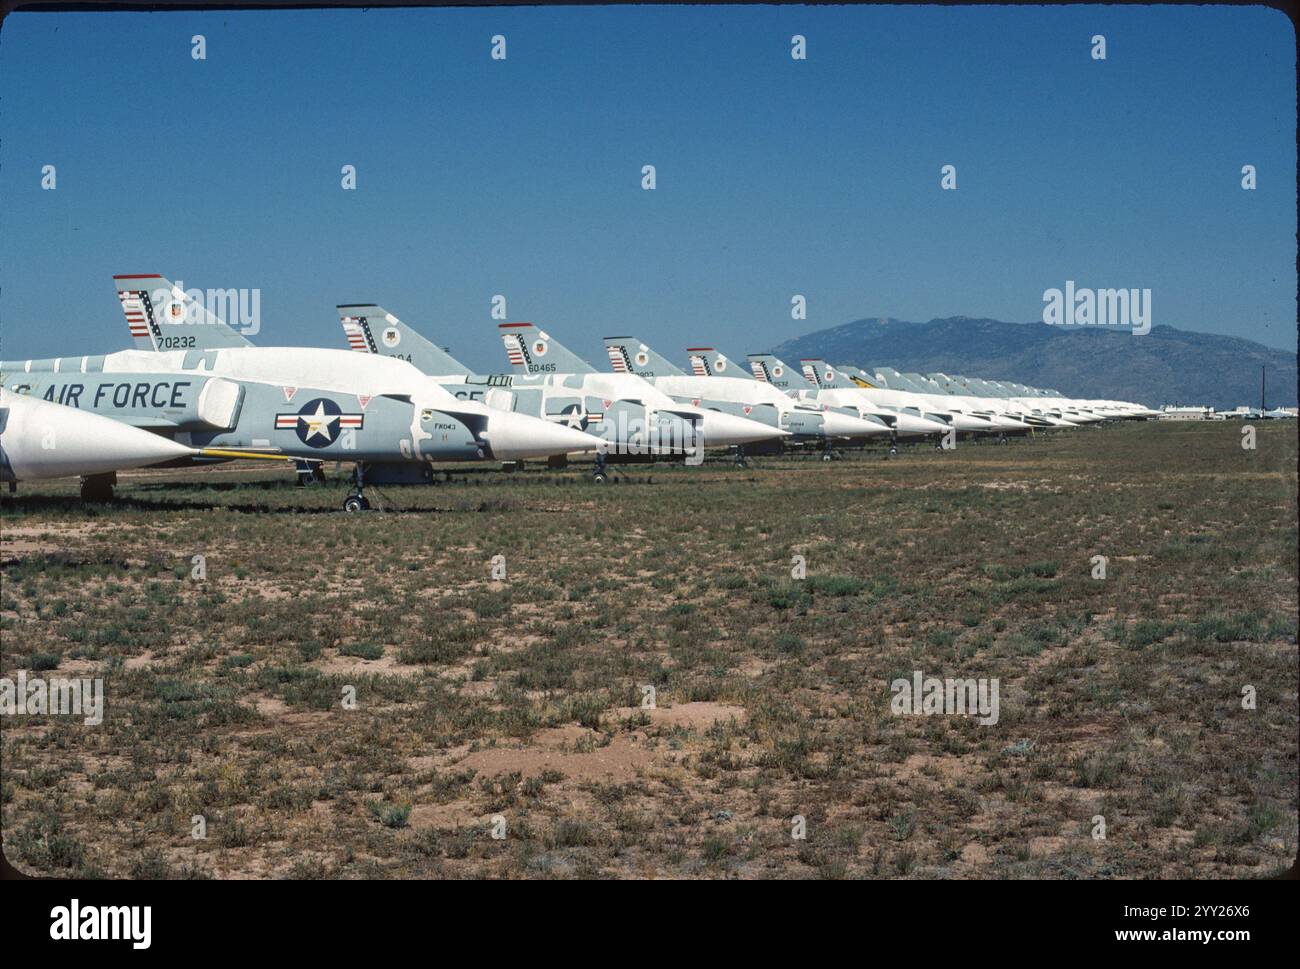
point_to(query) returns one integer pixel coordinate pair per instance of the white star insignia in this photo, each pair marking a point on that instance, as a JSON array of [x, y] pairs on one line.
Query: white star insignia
[[319, 423]]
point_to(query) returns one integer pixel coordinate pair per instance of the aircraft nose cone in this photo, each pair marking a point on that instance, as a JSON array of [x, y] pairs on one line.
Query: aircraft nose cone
[[911, 424], [969, 422], [843, 425], [721, 430], [1004, 422], [513, 437], [48, 441]]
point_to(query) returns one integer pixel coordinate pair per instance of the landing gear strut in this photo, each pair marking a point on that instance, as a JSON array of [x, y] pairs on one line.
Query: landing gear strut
[[310, 472], [893, 444], [741, 461], [356, 501], [598, 473], [98, 487]]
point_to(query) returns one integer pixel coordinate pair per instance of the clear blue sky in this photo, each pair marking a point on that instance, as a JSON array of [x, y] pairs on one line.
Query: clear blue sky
[[775, 177]]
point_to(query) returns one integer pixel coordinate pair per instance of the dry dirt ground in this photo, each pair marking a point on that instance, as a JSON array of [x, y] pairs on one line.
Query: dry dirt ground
[[334, 696]]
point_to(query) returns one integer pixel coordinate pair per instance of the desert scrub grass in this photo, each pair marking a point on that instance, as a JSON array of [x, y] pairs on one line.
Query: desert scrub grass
[[390, 815], [39, 662], [444, 644], [491, 604], [1253, 627], [731, 581], [1097, 770], [1104, 707], [834, 585], [366, 651], [1147, 632], [790, 644], [46, 845], [782, 594]]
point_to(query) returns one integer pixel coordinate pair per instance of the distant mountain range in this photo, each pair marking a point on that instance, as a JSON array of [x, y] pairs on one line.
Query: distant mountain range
[[1164, 366]]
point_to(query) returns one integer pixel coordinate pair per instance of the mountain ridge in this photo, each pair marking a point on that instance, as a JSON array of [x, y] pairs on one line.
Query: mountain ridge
[[1165, 366]]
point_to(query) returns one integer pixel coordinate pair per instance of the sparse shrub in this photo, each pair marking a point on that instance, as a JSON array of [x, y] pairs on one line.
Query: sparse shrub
[[367, 651]]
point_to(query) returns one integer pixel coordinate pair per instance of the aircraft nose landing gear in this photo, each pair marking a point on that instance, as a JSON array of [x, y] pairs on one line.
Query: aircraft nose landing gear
[[357, 500], [598, 473]]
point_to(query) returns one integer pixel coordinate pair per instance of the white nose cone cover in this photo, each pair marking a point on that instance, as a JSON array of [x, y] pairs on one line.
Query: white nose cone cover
[[1005, 423], [968, 422], [843, 425], [911, 424], [723, 430], [513, 437], [47, 440]]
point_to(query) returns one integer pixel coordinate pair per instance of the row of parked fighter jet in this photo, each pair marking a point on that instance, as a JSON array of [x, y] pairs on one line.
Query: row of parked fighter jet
[[195, 390]]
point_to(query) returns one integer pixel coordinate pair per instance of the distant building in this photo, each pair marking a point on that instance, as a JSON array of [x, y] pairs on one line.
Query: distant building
[[1172, 413]]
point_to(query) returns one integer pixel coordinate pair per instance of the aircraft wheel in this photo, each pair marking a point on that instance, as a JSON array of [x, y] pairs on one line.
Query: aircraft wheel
[[599, 477], [826, 456], [893, 451], [353, 503]]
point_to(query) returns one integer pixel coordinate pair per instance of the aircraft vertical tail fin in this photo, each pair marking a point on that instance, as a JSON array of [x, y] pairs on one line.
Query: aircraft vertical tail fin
[[627, 354], [768, 368], [135, 293], [531, 350], [889, 378], [708, 362], [162, 316], [371, 329], [821, 374], [859, 377]]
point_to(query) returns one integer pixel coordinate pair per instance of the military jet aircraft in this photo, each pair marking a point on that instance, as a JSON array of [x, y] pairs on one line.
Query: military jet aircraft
[[956, 389], [224, 418], [995, 413], [953, 419], [908, 420], [1049, 403], [717, 384], [999, 401], [1108, 409], [383, 415], [637, 422]]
